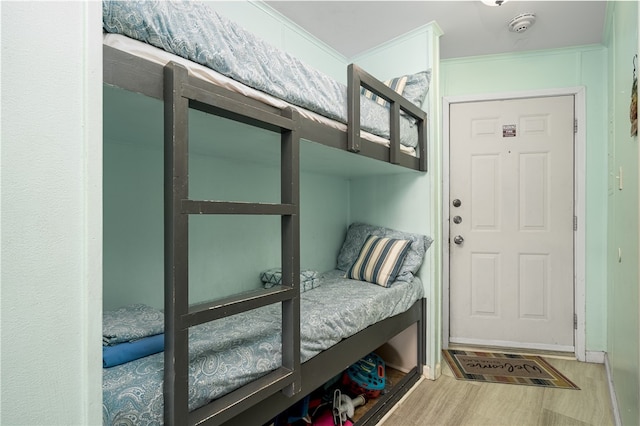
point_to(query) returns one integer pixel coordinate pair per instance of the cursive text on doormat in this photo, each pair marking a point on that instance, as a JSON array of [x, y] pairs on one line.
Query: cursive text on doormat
[[502, 367]]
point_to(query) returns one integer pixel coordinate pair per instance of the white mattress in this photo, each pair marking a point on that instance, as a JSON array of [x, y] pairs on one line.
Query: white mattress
[[162, 57]]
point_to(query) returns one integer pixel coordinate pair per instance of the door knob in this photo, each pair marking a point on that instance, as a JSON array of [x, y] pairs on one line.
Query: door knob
[[457, 219], [458, 239], [456, 203]]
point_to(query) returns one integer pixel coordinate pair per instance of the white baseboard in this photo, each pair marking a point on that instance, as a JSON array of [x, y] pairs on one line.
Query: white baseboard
[[612, 392], [431, 373], [595, 357], [427, 373]]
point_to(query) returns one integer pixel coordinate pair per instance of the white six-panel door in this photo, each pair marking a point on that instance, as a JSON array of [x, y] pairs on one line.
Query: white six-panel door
[[511, 236]]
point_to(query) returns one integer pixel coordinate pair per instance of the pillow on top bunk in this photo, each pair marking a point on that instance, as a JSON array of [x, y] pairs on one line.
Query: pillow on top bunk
[[359, 232], [379, 260], [413, 87], [396, 84]]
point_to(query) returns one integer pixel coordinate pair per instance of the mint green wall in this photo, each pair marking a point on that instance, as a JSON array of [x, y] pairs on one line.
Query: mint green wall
[[400, 55], [50, 205], [228, 252], [554, 69], [397, 201], [623, 330]]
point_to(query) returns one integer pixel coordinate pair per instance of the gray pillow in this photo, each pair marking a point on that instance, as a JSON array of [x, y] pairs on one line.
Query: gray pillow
[[417, 87], [358, 233]]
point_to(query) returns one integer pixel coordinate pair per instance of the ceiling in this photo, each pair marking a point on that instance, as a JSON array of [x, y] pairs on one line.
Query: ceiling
[[470, 28]]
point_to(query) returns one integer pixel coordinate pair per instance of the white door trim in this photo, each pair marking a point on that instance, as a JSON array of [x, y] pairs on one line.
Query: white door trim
[[579, 202]]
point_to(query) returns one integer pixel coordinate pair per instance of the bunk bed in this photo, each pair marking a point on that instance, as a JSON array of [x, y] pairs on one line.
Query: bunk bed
[[183, 85]]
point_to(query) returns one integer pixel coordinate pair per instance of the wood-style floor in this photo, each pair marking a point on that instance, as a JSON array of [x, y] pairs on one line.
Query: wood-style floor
[[448, 401]]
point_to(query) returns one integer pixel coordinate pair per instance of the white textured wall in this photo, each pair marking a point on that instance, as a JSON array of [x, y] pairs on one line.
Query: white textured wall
[[51, 144]]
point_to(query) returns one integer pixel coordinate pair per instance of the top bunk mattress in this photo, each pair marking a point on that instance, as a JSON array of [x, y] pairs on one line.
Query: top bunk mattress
[[248, 345], [195, 32]]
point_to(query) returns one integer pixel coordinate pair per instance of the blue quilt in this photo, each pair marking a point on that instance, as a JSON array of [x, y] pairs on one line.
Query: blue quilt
[[248, 345], [194, 31]]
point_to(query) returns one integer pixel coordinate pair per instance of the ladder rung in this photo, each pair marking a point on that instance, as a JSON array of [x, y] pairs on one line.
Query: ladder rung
[[210, 311], [240, 400], [227, 207], [228, 104]]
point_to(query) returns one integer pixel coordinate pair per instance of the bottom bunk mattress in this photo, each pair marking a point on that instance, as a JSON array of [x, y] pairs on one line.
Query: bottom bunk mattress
[[228, 353]]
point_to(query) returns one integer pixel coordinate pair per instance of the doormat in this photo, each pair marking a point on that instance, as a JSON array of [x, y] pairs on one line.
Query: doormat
[[493, 367]]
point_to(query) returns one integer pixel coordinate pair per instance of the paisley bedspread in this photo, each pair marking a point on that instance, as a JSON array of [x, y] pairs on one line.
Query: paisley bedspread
[[193, 30], [227, 353]]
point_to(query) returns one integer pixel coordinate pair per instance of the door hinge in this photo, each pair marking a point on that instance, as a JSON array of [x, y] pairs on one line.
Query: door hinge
[[575, 223], [575, 321], [575, 125]]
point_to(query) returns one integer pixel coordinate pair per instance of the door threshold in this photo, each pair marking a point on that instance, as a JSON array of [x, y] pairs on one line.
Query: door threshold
[[515, 351]]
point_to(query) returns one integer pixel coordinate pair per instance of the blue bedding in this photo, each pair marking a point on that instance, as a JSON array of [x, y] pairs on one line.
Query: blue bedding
[[194, 31], [129, 351], [248, 345]]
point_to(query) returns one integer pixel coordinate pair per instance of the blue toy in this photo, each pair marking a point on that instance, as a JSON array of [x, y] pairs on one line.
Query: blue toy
[[366, 376]]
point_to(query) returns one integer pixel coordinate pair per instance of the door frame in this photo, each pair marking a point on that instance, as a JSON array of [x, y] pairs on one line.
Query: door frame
[[579, 190]]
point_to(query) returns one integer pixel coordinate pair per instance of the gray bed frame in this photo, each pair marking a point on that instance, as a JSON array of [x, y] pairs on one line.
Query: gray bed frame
[[261, 400]]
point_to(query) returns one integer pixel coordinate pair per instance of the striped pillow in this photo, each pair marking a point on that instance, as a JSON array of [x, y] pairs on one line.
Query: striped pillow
[[379, 260], [396, 84]]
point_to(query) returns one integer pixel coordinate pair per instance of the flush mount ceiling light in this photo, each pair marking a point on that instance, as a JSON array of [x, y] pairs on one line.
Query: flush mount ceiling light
[[494, 2], [522, 22]]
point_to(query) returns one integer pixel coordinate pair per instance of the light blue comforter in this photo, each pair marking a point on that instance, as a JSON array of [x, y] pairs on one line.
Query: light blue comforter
[[247, 346], [194, 31]]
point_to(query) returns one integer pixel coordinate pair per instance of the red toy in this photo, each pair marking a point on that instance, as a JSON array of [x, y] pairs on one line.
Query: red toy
[[326, 419]]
